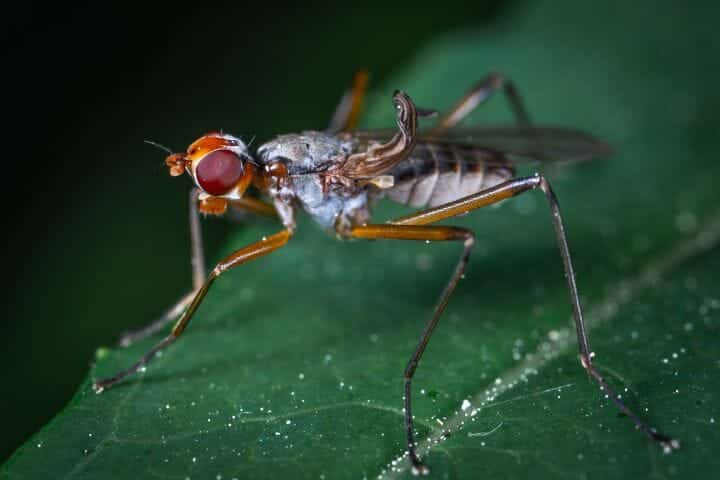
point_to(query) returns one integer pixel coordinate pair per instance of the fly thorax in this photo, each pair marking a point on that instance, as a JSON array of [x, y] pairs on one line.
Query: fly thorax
[[329, 206], [307, 156], [304, 153]]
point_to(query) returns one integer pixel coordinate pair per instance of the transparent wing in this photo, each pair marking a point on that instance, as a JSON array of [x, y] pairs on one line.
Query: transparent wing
[[519, 143]]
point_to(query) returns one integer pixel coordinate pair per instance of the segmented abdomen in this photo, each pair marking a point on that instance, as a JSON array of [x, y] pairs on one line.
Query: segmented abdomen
[[435, 174]]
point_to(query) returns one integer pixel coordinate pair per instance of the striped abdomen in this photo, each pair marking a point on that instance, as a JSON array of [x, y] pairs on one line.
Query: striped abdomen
[[437, 173]]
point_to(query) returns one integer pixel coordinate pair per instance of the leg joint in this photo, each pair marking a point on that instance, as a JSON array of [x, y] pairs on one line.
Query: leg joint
[[544, 184], [586, 360], [539, 181], [459, 233], [469, 239], [496, 80]]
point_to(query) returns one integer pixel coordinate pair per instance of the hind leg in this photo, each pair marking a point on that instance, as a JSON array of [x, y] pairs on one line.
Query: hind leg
[[417, 227]]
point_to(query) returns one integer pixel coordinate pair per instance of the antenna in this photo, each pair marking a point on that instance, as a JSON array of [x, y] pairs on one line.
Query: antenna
[[158, 145]]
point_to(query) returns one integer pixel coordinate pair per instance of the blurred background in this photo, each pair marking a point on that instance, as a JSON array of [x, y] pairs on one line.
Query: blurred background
[[95, 229]]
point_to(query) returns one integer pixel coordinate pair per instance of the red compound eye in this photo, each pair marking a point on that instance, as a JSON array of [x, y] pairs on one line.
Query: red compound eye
[[219, 171]]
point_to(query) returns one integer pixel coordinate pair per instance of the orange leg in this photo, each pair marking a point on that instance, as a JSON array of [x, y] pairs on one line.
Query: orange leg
[[198, 265], [197, 262], [415, 227], [432, 233], [347, 113], [478, 95], [243, 255]]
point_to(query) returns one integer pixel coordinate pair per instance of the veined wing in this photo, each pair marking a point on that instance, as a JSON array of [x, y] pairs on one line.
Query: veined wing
[[518, 143]]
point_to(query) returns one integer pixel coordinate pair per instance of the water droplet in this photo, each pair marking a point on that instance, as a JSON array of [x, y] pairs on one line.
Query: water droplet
[[465, 404]]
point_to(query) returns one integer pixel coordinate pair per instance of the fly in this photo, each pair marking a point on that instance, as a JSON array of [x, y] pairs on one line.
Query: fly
[[336, 175]]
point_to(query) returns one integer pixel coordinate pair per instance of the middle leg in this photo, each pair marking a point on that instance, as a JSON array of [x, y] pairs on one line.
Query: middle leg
[[238, 257], [427, 233], [197, 262]]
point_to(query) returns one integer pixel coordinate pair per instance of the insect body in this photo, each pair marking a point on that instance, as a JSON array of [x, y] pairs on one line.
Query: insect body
[[436, 174], [336, 175], [308, 158]]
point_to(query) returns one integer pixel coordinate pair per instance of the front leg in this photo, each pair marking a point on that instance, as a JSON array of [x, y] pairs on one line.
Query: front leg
[[197, 263], [197, 258], [243, 255]]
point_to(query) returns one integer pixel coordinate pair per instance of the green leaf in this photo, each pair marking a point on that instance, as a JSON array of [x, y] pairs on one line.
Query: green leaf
[[293, 365]]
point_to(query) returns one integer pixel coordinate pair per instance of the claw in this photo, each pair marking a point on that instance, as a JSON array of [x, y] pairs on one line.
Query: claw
[[126, 340], [420, 469], [669, 444]]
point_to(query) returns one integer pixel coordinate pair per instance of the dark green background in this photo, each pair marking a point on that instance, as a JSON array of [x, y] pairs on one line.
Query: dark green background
[[96, 230], [103, 226]]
